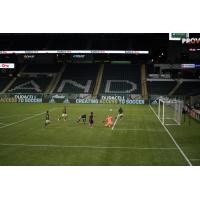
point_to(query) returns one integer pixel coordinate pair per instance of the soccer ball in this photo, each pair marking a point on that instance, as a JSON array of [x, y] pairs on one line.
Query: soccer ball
[[110, 110]]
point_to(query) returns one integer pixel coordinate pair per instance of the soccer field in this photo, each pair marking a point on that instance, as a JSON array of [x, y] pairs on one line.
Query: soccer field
[[138, 139]]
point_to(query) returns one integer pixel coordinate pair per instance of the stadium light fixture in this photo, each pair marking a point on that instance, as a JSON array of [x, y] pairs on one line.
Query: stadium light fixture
[[74, 52]]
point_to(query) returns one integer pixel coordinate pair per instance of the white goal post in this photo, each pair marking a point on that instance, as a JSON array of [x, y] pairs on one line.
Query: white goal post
[[170, 111]]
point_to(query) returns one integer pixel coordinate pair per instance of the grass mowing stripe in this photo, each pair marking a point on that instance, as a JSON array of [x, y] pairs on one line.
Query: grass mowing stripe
[[18, 115], [90, 147], [172, 138], [193, 159], [148, 130], [17, 122]]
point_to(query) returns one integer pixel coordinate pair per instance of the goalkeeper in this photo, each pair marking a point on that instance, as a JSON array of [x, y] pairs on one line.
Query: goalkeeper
[[108, 121]]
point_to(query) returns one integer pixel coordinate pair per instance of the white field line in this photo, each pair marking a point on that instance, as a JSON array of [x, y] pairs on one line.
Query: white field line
[[172, 125], [137, 129], [172, 138], [17, 122], [115, 122], [2, 123], [88, 147], [10, 116]]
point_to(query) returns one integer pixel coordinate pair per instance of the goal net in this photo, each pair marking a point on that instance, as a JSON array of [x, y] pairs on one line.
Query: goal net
[[170, 111]]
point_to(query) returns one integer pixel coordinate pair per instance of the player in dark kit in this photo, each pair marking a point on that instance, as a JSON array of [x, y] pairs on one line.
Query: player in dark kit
[[83, 118], [120, 113], [91, 120], [47, 118], [64, 114]]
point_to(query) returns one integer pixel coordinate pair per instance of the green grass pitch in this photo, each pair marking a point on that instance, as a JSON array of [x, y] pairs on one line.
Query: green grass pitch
[[138, 139]]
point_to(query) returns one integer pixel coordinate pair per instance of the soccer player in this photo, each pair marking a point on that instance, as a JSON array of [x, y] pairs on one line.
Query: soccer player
[[83, 118], [120, 113], [47, 120], [64, 114], [91, 120], [109, 121]]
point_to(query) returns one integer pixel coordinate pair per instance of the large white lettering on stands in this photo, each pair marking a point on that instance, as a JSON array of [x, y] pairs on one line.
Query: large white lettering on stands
[[109, 82], [30, 85], [86, 87]]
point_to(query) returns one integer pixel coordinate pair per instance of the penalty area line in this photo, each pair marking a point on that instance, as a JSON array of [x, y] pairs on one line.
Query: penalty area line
[[20, 121], [2, 123], [172, 138]]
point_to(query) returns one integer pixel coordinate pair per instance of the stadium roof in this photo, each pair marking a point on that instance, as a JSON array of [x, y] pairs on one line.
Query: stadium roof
[[155, 43]]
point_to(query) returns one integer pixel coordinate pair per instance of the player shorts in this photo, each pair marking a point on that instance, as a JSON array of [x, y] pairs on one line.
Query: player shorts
[[121, 115], [91, 121], [47, 121], [109, 124], [64, 115]]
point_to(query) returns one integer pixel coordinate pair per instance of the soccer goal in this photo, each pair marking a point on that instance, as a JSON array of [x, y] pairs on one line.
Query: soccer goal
[[170, 111]]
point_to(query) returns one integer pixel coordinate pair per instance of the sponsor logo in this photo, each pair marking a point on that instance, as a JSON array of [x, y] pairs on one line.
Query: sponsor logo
[[190, 40], [58, 96], [86, 101], [112, 97], [7, 65], [28, 99]]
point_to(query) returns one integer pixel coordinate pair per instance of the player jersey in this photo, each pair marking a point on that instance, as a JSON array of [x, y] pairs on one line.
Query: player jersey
[[91, 118], [120, 111], [110, 119], [83, 116], [47, 116]]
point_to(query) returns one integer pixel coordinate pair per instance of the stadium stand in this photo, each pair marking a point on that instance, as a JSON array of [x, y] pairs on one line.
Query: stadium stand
[[78, 78], [4, 82], [42, 68], [29, 85], [160, 87], [188, 87], [119, 78]]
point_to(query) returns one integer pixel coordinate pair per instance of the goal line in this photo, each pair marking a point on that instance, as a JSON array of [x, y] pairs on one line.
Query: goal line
[[172, 138]]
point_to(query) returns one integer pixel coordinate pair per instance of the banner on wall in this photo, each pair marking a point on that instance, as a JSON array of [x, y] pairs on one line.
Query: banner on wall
[[55, 98], [72, 98], [6, 98], [26, 98]]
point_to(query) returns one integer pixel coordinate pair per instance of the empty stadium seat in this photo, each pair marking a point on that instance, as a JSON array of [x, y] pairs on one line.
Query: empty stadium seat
[[160, 87], [119, 78], [4, 82], [42, 68], [78, 78], [188, 87]]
